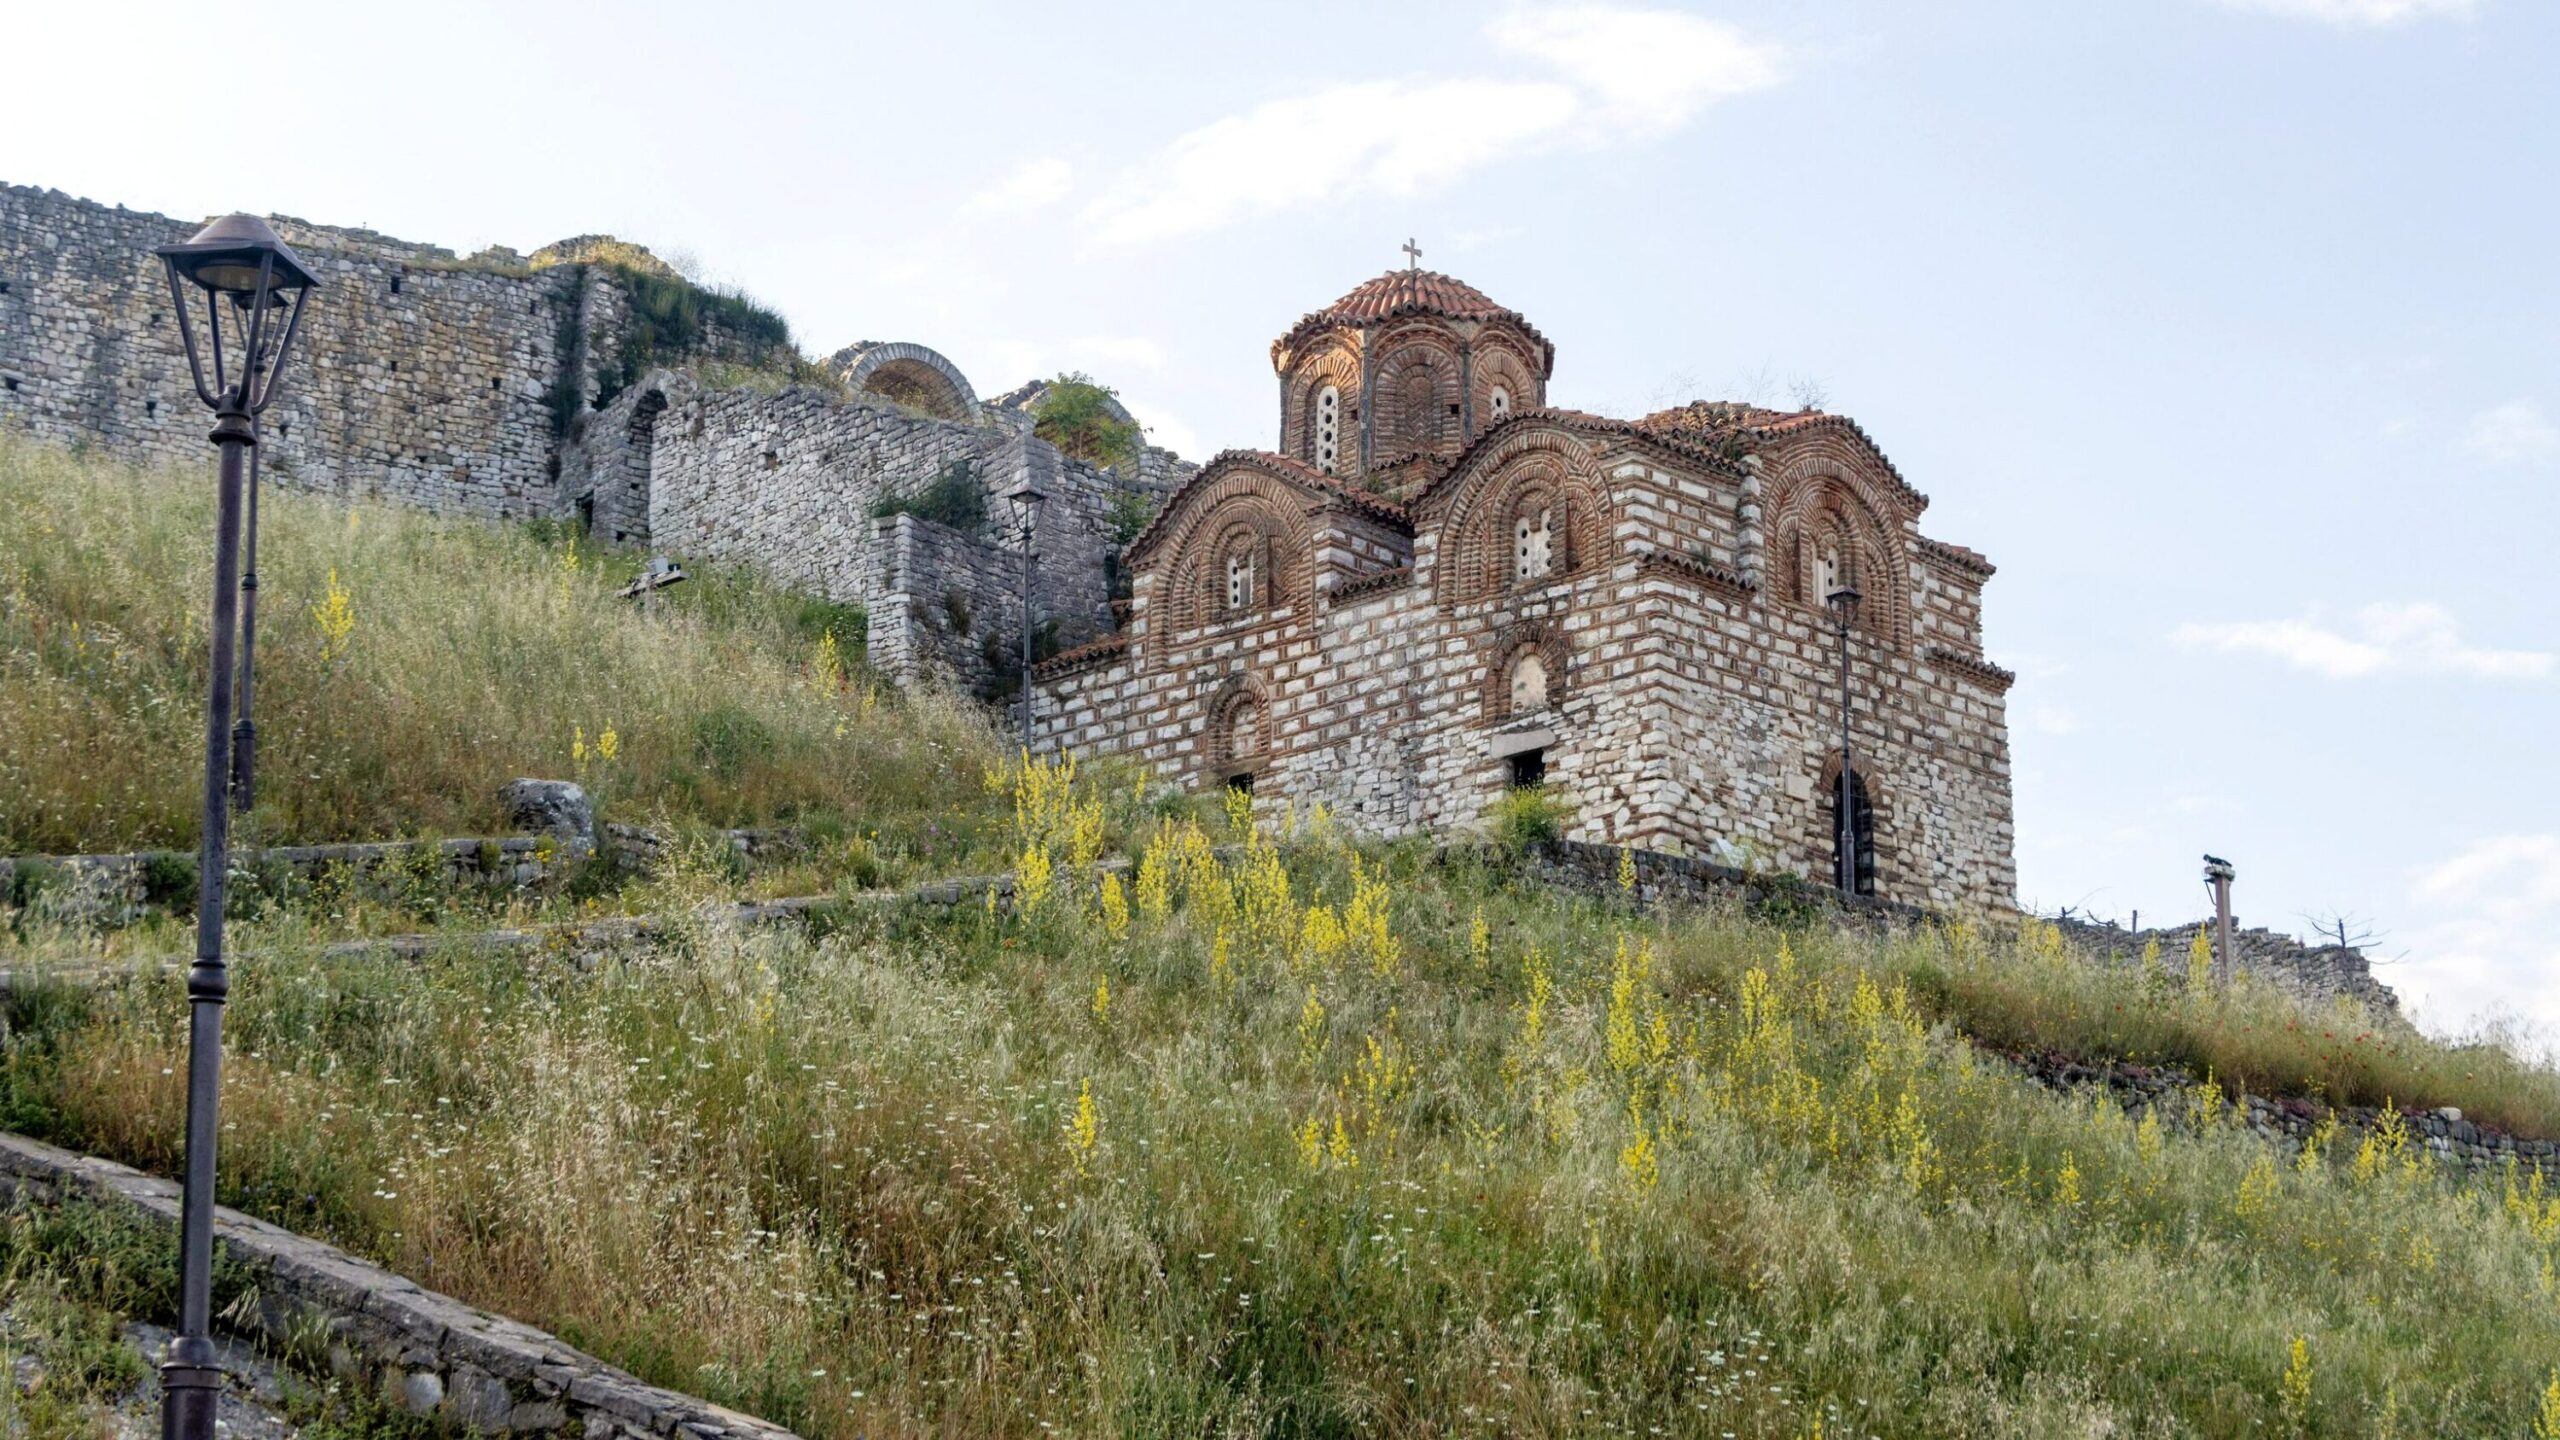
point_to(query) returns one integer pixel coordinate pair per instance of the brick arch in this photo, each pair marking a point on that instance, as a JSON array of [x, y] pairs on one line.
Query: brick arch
[[1814, 503], [1877, 781], [1335, 364], [1200, 528], [1497, 363], [1531, 464], [1238, 731], [1547, 640], [1411, 387], [908, 374]]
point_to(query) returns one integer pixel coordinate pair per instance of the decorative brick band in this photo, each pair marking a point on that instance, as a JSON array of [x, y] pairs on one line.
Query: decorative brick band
[[430, 1354], [1972, 562], [1694, 571], [1972, 667], [1083, 657], [1374, 584]]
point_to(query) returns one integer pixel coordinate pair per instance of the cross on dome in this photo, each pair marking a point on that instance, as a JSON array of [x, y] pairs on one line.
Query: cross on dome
[[1412, 254]]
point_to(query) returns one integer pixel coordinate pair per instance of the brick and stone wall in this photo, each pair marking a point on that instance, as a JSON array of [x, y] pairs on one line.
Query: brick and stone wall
[[1687, 708]]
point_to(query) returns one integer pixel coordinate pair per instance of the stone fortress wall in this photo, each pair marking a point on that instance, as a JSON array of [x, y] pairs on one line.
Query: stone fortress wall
[[469, 385]]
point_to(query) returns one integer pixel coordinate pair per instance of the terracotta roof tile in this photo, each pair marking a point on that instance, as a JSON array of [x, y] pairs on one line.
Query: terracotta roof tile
[[1410, 292]]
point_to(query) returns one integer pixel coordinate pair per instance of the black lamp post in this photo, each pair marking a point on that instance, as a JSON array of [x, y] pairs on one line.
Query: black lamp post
[[253, 290], [1844, 608], [1026, 499]]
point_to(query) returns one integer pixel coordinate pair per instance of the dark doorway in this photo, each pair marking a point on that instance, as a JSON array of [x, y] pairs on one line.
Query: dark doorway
[[1241, 782], [1862, 819], [1529, 767]]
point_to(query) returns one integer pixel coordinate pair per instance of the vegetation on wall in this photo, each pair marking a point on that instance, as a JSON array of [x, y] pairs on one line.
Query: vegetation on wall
[[673, 319], [1076, 414], [956, 497]]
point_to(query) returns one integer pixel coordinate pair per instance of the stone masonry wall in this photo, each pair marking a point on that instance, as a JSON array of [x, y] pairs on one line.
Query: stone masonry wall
[[2315, 972], [418, 376], [788, 483], [426, 1354]]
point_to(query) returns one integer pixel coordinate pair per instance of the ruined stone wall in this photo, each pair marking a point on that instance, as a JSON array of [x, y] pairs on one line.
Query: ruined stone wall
[[2311, 972], [417, 377], [789, 483]]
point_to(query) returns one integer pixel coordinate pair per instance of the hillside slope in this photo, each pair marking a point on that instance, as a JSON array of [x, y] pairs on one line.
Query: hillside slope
[[410, 666]]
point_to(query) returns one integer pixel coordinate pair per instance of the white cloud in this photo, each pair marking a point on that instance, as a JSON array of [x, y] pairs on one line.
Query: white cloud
[[2366, 13], [2050, 719], [2489, 941], [1108, 352], [1648, 71], [2512, 434], [1039, 182], [2412, 639], [1617, 75]]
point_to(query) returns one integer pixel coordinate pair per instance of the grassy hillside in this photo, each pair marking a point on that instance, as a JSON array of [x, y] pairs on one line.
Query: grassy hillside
[[456, 657], [1317, 1139], [1276, 1134]]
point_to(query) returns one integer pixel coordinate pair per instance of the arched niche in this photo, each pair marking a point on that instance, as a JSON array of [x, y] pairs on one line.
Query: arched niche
[[913, 376]]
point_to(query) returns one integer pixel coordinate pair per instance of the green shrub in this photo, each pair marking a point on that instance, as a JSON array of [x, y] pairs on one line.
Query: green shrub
[[1527, 816], [1075, 414], [955, 498], [727, 740], [169, 880]]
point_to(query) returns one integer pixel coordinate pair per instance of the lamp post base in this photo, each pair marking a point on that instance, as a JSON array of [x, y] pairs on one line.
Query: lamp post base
[[191, 1391]]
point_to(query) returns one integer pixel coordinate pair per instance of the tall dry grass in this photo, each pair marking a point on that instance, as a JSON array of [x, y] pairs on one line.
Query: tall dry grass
[[1325, 1140], [471, 654]]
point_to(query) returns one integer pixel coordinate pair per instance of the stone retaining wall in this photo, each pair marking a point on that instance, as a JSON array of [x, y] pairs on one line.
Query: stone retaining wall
[[2444, 1133], [2312, 972], [116, 889], [425, 1353]]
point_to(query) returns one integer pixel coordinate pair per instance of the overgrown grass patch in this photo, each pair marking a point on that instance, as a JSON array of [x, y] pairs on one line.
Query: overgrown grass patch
[[1313, 1138], [472, 654]]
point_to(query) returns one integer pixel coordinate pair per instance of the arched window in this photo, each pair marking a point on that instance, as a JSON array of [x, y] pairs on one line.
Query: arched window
[[1826, 572], [1329, 428], [1532, 542], [1498, 404], [1528, 682], [1240, 578], [1244, 730]]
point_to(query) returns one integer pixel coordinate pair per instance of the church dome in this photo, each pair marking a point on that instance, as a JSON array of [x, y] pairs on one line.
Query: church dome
[[1402, 293]]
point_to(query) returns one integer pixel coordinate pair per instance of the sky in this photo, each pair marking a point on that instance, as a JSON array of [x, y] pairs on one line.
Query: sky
[[2229, 329]]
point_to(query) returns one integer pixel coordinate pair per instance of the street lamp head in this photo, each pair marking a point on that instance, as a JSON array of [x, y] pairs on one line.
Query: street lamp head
[[1026, 499], [1844, 602], [241, 357]]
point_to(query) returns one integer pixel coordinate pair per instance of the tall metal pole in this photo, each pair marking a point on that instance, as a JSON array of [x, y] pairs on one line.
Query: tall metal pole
[[1848, 837], [2226, 962], [244, 735], [191, 1379], [1029, 521]]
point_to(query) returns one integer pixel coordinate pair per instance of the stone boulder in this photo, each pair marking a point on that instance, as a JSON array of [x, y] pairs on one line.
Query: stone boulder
[[559, 808]]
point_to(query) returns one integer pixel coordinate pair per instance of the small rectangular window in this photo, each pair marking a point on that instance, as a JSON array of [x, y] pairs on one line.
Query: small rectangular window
[[1241, 783], [1529, 767], [395, 284], [4, 287]]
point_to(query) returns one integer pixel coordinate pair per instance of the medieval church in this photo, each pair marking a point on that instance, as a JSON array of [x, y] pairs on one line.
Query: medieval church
[[1436, 587], [1432, 588]]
